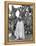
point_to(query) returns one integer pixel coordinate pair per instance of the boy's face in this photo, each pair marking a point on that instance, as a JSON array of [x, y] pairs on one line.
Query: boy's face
[[19, 18]]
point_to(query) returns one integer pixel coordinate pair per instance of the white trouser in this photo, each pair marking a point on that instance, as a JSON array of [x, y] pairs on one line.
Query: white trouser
[[19, 31]]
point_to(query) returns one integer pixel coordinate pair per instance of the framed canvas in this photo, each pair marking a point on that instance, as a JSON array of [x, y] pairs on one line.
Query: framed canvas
[[19, 22]]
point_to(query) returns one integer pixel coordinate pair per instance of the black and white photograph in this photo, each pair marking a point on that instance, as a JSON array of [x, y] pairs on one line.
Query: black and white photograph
[[20, 22]]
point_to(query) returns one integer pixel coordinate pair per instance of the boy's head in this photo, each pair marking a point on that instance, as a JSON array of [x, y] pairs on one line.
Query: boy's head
[[19, 18]]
